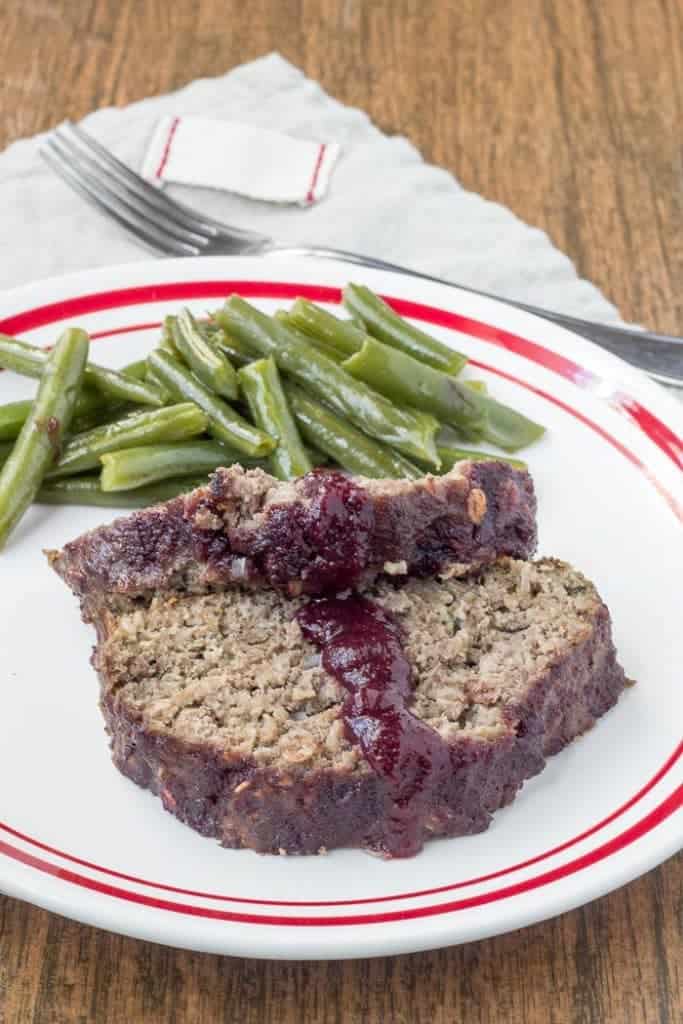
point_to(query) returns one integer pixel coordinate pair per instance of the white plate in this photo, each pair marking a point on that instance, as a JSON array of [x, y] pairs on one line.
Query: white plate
[[79, 839]]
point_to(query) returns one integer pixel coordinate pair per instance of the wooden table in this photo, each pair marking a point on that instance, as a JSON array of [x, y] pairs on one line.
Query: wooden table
[[571, 113]]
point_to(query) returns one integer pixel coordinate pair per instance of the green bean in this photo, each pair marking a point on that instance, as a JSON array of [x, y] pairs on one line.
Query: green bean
[[90, 403], [230, 348], [12, 418], [39, 442], [225, 424], [354, 451], [166, 339], [136, 370], [342, 336], [504, 427], [209, 327], [28, 360], [450, 455], [125, 389], [508, 429], [261, 386], [208, 364], [411, 432], [447, 437], [148, 426], [154, 381], [5, 449], [383, 323], [317, 342], [88, 406], [473, 413], [409, 382], [316, 456], [19, 357], [107, 412], [86, 490], [225, 345], [137, 467], [219, 328], [477, 385]]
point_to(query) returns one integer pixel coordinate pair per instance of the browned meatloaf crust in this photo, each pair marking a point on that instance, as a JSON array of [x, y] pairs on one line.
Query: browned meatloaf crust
[[217, 703], [322, 532]]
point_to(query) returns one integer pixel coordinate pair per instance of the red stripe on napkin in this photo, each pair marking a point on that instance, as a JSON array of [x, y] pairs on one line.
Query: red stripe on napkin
[[310, 195], [167, 148]]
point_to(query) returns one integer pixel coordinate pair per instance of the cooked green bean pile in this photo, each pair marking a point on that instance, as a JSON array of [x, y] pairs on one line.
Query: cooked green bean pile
[[371, 394]]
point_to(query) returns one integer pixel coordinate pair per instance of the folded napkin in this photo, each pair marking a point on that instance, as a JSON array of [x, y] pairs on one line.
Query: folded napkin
[[240, 158], [383, 199]]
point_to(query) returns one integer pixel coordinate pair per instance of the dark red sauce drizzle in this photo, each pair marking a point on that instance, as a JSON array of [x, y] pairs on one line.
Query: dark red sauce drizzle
[[323, 543], [361, 646]]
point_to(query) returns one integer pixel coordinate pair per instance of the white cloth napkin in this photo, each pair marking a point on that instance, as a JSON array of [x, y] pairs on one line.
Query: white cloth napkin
[[383, 200], [237, 157]]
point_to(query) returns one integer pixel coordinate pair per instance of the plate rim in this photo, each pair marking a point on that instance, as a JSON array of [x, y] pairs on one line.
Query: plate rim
[[166, 267]]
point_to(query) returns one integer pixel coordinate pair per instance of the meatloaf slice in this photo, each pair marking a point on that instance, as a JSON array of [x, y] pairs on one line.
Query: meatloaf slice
[[216, 703], [322, 532]]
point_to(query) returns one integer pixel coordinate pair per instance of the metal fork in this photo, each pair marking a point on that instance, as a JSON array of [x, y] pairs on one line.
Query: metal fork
[[174, 229]]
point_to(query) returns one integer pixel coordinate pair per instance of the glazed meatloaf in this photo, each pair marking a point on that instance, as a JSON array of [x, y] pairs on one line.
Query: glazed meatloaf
[[219, 704], [322, 532]]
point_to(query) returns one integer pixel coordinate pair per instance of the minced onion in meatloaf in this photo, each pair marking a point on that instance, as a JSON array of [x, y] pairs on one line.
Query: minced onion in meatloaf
[[217, 703], [322, 532]]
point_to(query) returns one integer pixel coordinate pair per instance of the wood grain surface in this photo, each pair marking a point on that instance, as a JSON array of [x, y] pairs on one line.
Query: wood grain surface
[[571, 113]]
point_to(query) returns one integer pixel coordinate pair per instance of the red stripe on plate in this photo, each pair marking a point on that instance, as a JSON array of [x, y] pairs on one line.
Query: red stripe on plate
[[663, 436], [670, 443], [495, 336], [95, 335], [674, 505], [82, 305], [666, 767], [668, 807], [658, 432]]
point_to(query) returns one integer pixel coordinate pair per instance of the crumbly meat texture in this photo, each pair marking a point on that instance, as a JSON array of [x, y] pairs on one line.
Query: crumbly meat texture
[[216, 702], [320, 533]]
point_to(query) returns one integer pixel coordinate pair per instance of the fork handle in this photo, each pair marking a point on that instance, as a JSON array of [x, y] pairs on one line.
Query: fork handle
[[659, 355]]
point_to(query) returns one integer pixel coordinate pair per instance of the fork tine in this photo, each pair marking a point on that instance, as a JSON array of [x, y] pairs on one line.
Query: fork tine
[[182, 214], [159, 240], [137, 184], [84, 165]]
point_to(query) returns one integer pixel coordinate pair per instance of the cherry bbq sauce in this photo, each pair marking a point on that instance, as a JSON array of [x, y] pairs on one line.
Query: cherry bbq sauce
[[361, 647]]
